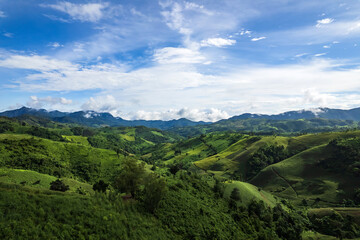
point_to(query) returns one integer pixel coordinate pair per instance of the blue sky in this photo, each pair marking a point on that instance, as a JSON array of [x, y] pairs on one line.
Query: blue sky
[[203, 60]]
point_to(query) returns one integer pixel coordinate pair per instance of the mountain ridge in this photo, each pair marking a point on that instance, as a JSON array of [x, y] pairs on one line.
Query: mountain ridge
[[93, 118]]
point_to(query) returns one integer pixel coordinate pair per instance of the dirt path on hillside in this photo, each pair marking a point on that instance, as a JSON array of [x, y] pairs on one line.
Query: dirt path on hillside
[[273, 169]]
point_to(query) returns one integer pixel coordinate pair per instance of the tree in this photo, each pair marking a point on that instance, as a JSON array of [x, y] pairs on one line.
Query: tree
[[130, 176], [218, 188], [154, 191], [235, 194], [100, 186], [59, 185]]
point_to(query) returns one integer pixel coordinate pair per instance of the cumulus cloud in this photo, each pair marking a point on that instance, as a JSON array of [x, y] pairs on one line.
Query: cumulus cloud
[[36, 102], [89, 12], [257, 39], [313, 97], [105, 103], [324, 21], [208, 115], [217, 42]]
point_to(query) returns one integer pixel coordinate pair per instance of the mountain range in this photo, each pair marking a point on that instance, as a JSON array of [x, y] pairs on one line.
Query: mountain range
[[93, 119]]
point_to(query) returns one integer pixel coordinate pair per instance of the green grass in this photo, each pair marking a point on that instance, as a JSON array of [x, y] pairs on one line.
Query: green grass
[[37, 180], [300, 177], [310, 235], [234, 158], [249, 192], [77, 139]]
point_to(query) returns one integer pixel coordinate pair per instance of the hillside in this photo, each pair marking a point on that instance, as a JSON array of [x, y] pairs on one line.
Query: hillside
[[302, 172], [232, 184], [270, 126]]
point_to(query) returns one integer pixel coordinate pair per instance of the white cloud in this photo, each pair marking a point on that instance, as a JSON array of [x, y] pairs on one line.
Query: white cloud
[[36, 102], [320, 54], [309, 35], [2, 14], [326, 46], [257, 39], [55, 45], [245, 32], [178, 55], [313, 97], [247, 88], [208, 115], [89, 12], [35, 62], [217, 42], [301, 55], [324, 21], [175, 19], [106, 103], [9, 35]]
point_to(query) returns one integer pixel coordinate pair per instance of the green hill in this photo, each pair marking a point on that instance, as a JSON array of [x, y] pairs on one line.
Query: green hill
[[184, 152], [307, 176], [269, 126], [232, 161], [60, 159], [249, 193], [37, 180]]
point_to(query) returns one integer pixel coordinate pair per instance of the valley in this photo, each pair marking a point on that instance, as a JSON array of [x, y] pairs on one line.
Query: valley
[[233, 178]]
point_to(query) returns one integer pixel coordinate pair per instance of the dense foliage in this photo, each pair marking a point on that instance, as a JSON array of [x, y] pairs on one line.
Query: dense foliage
[[264, 157], [346, 156]]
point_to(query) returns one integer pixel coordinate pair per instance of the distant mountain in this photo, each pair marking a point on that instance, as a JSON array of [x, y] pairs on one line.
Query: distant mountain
[[94, 119], [326, 113]]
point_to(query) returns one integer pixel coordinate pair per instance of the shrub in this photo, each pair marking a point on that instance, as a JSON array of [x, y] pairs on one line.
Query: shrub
[[59, 185]]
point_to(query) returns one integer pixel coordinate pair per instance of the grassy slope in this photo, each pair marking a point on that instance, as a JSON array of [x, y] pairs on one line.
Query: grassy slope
[[299, 177], [249, 192], [59, 153], [30, 178], [234, 158], [194, 149], [310, 235], [78, 139]]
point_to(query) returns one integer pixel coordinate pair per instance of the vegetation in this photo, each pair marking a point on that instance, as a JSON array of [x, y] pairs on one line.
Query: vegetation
[[59, 185], [74, 182]]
